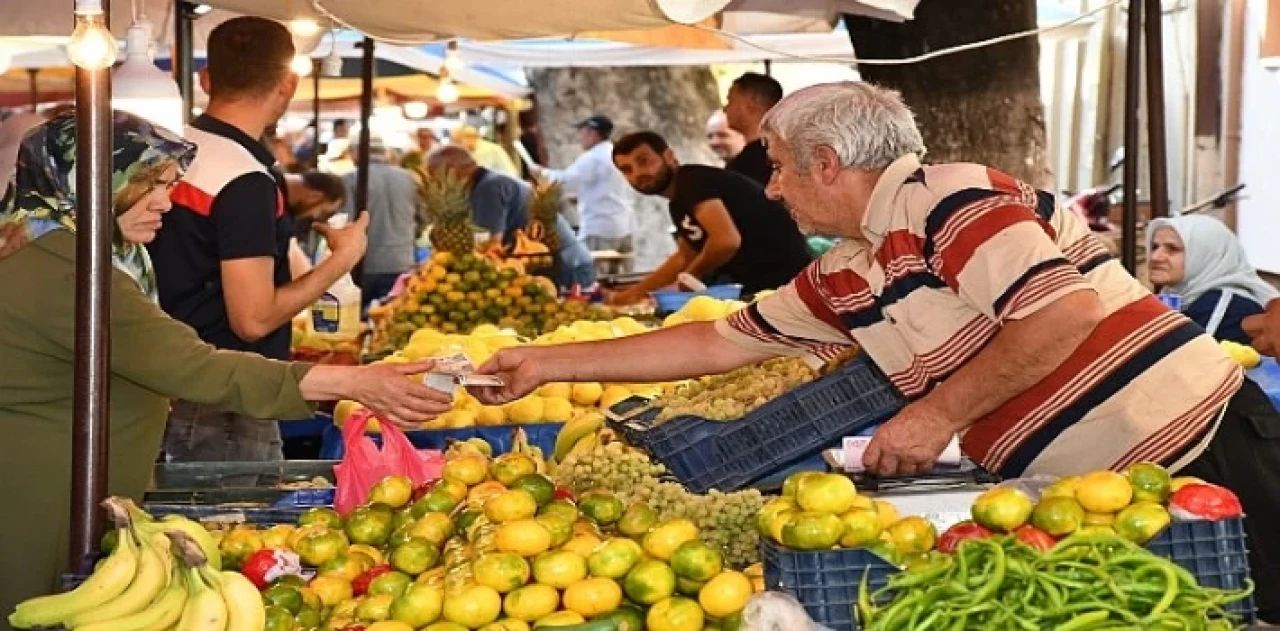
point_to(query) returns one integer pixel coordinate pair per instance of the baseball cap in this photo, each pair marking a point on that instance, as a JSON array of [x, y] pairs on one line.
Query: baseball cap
[[598, 122]]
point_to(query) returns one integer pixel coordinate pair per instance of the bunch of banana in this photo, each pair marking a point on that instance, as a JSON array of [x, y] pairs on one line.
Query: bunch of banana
[[520, 444], [578, 435], [157, 577]]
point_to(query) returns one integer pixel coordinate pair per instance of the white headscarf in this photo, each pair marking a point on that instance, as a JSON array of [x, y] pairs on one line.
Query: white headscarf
[[1214, 259]]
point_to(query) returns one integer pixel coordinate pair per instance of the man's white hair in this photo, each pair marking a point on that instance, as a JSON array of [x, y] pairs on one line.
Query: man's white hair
[[866, 126]]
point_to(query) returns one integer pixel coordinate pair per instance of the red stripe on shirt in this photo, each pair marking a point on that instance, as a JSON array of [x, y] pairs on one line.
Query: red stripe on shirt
[[996, 435], [808, 290], [956, 254], [188, 196], [898, 244], [1172, 437]]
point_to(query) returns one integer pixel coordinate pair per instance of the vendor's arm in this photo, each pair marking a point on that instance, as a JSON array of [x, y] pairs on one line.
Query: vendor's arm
[[664, 276], [1264, 328], [165, 356], [723, 238], [246, 242], [1005, 265], [680, 352]]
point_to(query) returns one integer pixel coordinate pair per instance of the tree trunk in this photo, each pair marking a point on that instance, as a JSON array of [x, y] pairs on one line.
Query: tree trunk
[[673, 101], [980, 105]]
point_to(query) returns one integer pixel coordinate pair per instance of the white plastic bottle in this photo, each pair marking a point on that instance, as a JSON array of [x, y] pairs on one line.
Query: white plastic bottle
[[335, 316]]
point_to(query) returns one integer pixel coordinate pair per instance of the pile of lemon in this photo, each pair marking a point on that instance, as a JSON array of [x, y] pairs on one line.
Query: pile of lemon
[[703, 308], [821, 511]]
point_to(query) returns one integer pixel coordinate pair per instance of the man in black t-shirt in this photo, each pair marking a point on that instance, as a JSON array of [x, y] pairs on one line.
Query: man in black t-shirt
[[750, 97], [222, 256], [727, 229]]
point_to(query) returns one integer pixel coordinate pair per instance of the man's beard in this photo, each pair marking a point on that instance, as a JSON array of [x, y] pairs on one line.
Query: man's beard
[[661, 182]]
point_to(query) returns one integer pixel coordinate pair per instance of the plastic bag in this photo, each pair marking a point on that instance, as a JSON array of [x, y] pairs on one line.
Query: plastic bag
[[776, 611], [364, 465]]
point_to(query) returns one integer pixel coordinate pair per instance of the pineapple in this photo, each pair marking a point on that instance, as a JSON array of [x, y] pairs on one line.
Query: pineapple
[[544, 209], [449, 209]]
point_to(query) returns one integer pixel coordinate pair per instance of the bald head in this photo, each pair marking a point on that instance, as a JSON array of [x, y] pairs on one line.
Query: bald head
[[723, 141], [452, 158]]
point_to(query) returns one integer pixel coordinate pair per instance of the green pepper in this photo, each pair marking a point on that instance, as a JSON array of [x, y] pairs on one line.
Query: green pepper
[[1085, 620]]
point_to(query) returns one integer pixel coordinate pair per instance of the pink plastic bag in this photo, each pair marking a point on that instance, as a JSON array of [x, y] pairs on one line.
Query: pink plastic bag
[[364, 465]]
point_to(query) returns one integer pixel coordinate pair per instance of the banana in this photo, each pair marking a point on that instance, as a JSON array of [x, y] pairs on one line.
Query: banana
[[584, 444], [245, 609], [161, 614], [574, 430], [205, 609], [154, 567], [110, 580]]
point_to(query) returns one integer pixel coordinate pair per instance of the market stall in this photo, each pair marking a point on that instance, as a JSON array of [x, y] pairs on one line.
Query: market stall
[[648, 505]]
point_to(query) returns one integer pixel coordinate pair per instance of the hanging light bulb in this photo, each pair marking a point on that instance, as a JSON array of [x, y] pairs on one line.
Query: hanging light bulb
[[416, 109], [5, 61], [447, 91], [304, 27], [201, 9], [92, 46], [301, 65], [139, 87], [452, 58]]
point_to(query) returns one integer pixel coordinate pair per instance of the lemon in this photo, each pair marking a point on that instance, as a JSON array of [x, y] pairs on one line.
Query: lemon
[[613, 395], [503, 571], [531, 602], [559, 619], [557, 409], [888, 513], [725, 594], [527, 410], [582, 545], [559, 568], [586, 394], [675, 319], [490, 415], [703, 309], [510, 506], [459, 419], [826, 493], [861, 528], [1104, 492], [525, 537], [473, 606], [556, 390], [344, 409], [675, 614], [593, 596], [662, 541], [469, 469]]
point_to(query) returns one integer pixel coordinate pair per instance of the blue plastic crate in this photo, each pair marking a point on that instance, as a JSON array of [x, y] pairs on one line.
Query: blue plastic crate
[[825, 582], [1215, 552], [541, 435], [728, 456], [671, 301], [307, 498]]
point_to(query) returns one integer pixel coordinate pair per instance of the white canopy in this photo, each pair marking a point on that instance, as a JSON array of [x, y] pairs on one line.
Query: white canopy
[[419, 21]]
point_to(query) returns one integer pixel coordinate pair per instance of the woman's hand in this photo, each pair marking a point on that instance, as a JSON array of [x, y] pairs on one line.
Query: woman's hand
[[516, 368], [389, 392]]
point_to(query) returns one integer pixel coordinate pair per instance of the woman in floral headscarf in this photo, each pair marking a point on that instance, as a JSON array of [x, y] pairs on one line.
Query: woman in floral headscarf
[[153, 357]]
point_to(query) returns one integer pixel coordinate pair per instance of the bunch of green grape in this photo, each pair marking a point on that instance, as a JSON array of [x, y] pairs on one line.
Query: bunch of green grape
[[735, 394], [725, 520]]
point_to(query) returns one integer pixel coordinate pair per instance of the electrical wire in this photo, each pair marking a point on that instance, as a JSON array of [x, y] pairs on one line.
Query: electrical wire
[[918, 58], [848, 59]]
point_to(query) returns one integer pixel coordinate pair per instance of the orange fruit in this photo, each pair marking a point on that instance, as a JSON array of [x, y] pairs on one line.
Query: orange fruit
[[861, 528], [676, 614], [661, 542], [725, 594], [503, 571], [525, 537], [812, 531], [531, 602], [1141, 522], [473, 606], [1150, 481], [826, 493], [649, 582], [559, 568]]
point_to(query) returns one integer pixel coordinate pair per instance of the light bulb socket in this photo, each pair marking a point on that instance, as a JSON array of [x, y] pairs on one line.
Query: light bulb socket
[[88, 7], [332, 65]]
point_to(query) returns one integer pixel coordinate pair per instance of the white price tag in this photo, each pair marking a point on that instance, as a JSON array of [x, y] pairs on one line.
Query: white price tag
[[855, 446]]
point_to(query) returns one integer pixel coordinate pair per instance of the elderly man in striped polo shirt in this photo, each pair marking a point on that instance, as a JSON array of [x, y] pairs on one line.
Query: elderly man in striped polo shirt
[[1004, 320]]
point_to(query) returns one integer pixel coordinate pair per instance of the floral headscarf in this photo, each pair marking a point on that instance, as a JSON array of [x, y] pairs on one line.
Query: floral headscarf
[[41, 197]]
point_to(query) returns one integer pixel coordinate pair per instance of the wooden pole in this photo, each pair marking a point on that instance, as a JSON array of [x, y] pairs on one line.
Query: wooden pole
[[1132, 86], [184, 57], [33, 87], [92, 361], [1157, 146], [366, 111]]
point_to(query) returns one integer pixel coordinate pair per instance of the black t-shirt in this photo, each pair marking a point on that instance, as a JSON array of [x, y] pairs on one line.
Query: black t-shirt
[[753, 162], [222, 210], [772, 252]]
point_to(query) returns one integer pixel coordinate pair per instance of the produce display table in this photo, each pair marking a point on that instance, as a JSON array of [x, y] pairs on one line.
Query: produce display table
[[541, 435]]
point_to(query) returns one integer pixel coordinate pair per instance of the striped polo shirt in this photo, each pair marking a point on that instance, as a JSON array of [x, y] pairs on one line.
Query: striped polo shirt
[[952, 252]]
